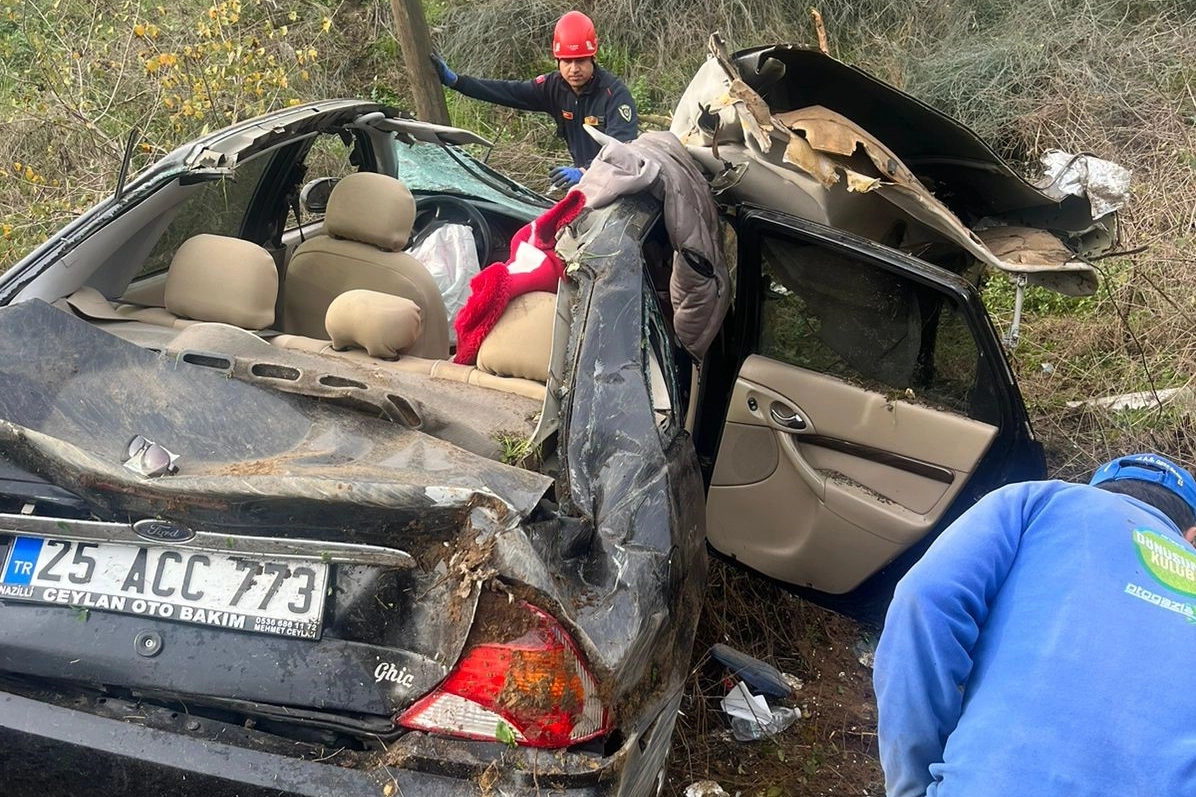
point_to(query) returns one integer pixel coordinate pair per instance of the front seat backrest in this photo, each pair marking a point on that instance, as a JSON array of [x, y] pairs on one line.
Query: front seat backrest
[[366, 226]]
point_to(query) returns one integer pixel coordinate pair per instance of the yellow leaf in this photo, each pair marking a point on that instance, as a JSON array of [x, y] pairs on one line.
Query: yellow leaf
[[139, 30], [326, 24]]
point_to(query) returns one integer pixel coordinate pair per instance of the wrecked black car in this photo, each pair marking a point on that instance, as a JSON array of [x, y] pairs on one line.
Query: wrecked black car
[[263, 533]]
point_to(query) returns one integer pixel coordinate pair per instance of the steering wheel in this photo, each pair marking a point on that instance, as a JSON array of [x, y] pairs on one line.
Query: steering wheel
[[432, 211]]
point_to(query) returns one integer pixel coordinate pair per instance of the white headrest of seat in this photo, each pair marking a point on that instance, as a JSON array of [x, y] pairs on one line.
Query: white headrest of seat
[[371, 208], [381, 323], [223, 279]]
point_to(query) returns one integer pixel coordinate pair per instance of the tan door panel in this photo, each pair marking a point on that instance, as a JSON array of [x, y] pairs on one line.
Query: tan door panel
[[821, 483]]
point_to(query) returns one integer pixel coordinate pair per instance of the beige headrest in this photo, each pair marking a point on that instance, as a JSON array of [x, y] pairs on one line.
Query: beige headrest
[[380, 323], [218, 278], [520, 344], [371, 208]]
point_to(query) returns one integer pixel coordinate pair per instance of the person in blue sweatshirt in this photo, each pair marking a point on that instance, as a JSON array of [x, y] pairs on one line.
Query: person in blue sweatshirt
[[579, 94], [1040, 645]]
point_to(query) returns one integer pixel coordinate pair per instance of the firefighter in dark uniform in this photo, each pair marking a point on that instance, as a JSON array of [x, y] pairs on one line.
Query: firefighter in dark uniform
[[579, 93]]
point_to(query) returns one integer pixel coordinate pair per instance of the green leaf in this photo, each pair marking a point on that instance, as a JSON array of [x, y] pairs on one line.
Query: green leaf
[[505, 734]]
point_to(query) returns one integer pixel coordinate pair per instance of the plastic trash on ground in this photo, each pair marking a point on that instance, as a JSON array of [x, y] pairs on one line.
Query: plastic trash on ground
[[705, 788], [762, 677], [751, 716], [1106, 184]]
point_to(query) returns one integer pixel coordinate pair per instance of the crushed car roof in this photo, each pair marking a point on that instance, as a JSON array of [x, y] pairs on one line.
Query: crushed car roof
[[769, 118]]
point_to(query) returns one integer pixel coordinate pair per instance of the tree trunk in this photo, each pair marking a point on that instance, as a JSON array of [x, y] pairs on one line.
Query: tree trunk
[[412, 30]]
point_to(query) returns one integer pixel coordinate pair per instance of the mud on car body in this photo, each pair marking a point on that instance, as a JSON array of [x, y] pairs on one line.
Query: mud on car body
[[241, 560], [238, 562]]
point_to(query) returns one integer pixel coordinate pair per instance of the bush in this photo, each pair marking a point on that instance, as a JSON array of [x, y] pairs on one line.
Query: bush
[[77, 81]]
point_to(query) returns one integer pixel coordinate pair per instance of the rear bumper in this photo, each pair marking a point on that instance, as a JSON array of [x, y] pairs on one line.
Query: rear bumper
[[42, 745], [56, 749]]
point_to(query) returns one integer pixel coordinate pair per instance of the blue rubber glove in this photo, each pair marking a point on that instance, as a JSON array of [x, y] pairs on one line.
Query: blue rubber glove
[[564, 176], [447, 76]]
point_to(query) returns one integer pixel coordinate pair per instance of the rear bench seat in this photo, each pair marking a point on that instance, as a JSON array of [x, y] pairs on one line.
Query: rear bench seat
[[375, 328], [234, 282], [212, 278]]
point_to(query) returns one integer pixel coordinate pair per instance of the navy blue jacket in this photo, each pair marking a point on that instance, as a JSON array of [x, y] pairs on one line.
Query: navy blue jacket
[[605, 103]]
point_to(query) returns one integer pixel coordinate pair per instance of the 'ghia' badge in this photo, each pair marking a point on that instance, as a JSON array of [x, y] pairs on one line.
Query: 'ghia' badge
[[157, 530]]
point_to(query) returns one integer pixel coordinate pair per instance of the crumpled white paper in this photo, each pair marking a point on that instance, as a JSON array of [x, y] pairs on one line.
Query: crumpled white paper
[[1106, 184], [739, 702], [705, 788]]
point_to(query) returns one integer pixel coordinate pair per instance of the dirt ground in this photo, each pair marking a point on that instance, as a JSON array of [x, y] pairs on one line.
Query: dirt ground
[[830, 750]]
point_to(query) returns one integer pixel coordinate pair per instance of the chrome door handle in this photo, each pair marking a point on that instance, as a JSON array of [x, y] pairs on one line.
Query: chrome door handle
[[790, 421]]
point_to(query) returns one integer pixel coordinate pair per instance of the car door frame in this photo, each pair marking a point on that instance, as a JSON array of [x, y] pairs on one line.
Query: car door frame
[[1013, 455]]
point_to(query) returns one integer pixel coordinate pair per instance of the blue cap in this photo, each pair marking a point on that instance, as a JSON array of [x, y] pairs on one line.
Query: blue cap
[[1150, 468]]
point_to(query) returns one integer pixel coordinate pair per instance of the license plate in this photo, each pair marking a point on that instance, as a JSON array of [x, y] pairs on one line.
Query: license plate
[[243, 593]]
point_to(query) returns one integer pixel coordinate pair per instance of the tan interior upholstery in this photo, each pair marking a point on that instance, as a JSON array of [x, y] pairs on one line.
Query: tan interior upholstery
[[439, 369], [520, 344], [382, 324], [223, 279], [211, 278], [367, 223]]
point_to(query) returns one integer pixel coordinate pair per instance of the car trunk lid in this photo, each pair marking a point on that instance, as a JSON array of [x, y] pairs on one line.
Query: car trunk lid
[[386, 526]]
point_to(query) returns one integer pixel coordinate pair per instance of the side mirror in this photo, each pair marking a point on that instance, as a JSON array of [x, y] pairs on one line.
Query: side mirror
[[313, 198]]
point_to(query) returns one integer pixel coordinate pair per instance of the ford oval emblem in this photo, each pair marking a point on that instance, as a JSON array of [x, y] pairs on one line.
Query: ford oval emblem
[[162, 531]]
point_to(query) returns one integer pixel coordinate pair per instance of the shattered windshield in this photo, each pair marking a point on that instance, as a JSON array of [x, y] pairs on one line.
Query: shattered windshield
[[430, 168]]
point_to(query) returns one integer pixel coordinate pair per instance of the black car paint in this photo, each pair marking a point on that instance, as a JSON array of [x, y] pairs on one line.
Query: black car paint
[[621, 564]]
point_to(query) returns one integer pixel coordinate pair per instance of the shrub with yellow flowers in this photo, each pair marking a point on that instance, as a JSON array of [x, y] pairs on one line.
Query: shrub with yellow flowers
[[77, 77]]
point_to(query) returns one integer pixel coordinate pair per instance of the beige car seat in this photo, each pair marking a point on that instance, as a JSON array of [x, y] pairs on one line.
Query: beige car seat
[[366, 226], [224, 279], [212, 278]]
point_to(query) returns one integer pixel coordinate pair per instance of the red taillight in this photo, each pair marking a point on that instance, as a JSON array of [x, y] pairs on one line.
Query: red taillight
[[536, 684]]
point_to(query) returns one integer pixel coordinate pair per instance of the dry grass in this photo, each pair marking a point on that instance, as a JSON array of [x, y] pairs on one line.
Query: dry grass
[[831, 750]]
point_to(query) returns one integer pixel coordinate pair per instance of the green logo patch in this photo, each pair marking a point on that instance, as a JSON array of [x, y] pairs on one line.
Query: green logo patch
[[625, 112], [1171, 564]]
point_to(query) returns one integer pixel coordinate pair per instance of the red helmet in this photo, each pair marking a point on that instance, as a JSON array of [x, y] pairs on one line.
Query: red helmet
[[574, 37]]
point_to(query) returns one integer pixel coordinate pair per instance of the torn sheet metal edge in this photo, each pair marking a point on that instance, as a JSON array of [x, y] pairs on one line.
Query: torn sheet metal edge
[[904, 190], [718, 79]]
